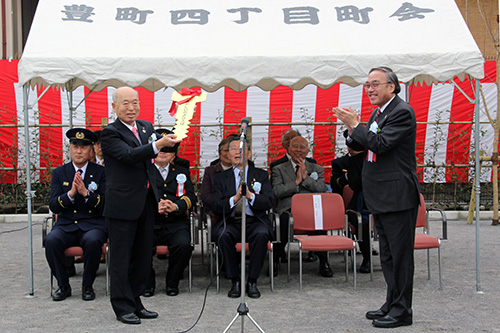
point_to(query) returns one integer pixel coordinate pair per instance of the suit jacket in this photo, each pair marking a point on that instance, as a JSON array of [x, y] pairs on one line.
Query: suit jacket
[[168, 190], [338, 179], [207, 184], [284, 183], [390, 183], [80, 214], [224, 187], [284, 159], [128, 169]]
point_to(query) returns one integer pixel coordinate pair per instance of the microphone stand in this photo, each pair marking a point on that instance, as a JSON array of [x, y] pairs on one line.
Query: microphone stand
[[243, 310]]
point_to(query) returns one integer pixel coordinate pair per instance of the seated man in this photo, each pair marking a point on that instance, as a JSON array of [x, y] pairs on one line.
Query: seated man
[[297, 176], [77, 197], [224, 163], [285, 142], [226, 203], [172, 226]]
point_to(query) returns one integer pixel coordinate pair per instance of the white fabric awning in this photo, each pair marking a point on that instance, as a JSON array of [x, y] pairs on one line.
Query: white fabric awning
[[242, 43]]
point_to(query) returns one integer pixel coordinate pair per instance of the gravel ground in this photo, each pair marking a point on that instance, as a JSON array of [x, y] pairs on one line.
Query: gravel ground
[[324, 305]]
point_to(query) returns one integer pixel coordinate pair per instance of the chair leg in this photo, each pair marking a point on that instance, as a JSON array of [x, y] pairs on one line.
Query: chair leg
[[271, 268], [202, 248], [439, 264], [346, 260], [51, 282], [428, 265], [107, 269], [190, 270], [370, 247], [217, 267], [210, 250], [354, 268], [288, 263], [300, 267]]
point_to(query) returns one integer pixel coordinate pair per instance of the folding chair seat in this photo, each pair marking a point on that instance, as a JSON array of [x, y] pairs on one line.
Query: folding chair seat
[[322, 211], [424, 241]]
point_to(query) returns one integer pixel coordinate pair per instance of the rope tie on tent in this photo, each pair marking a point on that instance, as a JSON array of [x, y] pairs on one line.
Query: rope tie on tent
[[189, 93]]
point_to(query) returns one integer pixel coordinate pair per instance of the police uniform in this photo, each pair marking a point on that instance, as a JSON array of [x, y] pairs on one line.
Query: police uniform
[[79, 219], [173, 230]]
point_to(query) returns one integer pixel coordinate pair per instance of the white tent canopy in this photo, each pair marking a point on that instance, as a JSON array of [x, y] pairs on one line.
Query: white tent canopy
[[237, 43], [240, 43]]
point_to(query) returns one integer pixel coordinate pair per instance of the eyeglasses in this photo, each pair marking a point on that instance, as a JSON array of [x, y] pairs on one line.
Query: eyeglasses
[[373, 85]]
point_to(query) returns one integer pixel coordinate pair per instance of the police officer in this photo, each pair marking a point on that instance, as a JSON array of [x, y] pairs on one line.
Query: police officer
[[77, 197], [172, 226]]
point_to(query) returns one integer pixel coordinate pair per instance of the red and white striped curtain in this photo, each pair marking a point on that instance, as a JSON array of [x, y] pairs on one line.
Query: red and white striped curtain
[[448, 143]]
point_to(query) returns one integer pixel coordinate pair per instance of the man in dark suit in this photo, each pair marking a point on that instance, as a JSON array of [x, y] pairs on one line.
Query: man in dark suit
[[226, 199], [390, 188], [77, 197], [129, 145], [297, 176], [224, 163], [172, 228]]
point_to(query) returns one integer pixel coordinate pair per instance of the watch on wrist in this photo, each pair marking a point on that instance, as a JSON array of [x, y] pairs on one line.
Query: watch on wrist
[[88, 195]]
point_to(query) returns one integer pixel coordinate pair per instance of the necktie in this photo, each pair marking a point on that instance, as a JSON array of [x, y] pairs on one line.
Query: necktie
[[80, 171], [164, 173], [296, 169], [134, 130], [239, 205], [377, 114]]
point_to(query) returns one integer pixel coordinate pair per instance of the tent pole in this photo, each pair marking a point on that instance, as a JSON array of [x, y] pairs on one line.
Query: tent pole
[[70, 102], [28, 186], [477, 185]]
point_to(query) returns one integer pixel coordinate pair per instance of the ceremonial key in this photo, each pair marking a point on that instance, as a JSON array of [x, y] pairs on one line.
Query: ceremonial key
[[183, 106]]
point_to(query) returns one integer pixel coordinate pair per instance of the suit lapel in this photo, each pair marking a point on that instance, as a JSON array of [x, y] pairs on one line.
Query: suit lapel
[[127, 133], [142, 132], [388, 110]]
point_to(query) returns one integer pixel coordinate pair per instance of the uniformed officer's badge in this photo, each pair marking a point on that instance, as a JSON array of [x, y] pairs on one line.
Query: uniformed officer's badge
[[92, 186], [79, 135], [181, 179], [314, 175], [257, 187]]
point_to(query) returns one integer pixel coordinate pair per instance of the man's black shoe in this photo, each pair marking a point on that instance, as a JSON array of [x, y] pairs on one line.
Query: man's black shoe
[[311, 257], [276, 267], [129, 318], [252, 290], [172, 291], [145, 314], [365, 267], [390, 322], [148, 292], [325, 270], [61, 293], [88, 293], [375, 314], [235, 290]]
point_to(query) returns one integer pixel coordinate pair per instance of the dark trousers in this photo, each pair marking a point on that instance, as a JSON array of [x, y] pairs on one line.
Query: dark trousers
[[397, 240], [90, 241], [130, 244], [257, 237], [179, 246]]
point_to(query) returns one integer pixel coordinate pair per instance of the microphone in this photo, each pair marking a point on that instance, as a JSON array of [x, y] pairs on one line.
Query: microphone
[[243, 134]]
